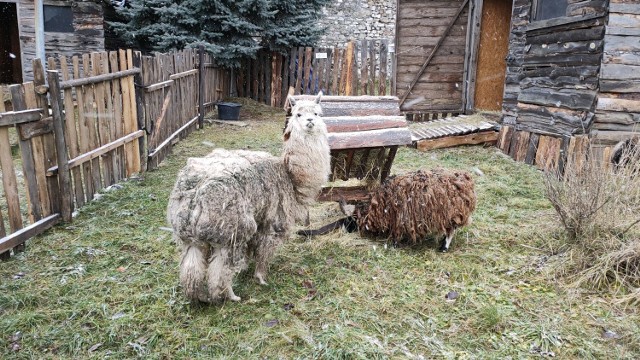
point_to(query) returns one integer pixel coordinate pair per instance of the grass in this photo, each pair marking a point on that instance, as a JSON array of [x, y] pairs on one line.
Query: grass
[[107, 285]]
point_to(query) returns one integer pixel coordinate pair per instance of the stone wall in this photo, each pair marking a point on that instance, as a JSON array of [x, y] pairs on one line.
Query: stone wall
[[358, 19]]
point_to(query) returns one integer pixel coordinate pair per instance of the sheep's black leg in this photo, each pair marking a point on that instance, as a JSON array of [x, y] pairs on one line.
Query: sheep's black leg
[[446, 242]]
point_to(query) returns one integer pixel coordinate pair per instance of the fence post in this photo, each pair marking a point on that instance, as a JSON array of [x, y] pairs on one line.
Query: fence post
[[64, 178], [200, 86]]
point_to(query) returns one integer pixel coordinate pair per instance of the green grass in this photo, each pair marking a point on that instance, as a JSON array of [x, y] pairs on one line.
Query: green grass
[[108, 282]]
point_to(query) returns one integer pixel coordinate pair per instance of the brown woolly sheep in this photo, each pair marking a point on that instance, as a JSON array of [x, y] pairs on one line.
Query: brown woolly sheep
[[411, 207], [424, 203], [232, 206]]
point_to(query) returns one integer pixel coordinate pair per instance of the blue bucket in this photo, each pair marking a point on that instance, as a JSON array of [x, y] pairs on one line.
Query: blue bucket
[[229, 111]]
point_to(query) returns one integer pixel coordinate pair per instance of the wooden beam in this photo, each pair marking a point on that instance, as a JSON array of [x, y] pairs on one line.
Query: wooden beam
[[158, 86], [183, 74], [96, 79], [362, 123], [18, 117], [170, 138], [373, 138], [19, 237], [490, 137], [77, 161], [64, 177], [433, 52]]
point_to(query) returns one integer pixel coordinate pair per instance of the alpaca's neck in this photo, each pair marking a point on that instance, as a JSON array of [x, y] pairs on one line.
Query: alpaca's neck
[[307, 161]]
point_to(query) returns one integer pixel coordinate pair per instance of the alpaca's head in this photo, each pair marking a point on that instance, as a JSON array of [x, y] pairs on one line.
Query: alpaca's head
[[306, 118]]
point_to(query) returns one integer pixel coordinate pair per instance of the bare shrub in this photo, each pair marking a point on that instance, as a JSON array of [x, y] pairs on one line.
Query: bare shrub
[[599, 207]]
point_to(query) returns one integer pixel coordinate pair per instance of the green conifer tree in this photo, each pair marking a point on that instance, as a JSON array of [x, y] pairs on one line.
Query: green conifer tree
[[230, 30]]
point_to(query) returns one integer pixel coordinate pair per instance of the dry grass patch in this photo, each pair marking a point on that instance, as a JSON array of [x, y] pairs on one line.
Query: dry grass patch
[[599, 208]]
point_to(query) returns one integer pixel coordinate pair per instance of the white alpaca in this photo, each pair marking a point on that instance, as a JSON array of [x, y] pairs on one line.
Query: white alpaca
[[231, 206]]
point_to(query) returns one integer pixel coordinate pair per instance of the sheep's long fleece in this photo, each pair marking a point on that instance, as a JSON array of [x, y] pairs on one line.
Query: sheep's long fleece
[[419, 204], [228, 197]]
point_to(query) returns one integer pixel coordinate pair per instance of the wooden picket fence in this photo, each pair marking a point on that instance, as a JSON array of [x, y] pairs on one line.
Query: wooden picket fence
[[171, 94], [98, 119], [361, 68]]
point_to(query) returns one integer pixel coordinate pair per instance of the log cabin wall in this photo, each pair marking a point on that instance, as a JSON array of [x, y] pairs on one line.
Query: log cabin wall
[[87, 35], [618, 109], [552, 81], [419, 27]]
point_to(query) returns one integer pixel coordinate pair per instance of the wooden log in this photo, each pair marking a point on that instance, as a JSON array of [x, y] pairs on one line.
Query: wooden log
[[19, 237], [10, 118], [567, 48], [79, 160], [621, 43], [363, 123], [563, 60], [485, 137], [170, 139], [595, 33], [565, 98], [97, 79], [607, 117], [564, 23], [620, 72], [622, 105], [64, 177], [373, 138], [34, 129]]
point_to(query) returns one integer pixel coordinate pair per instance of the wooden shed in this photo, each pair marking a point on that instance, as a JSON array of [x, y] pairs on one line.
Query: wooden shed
[[443, 65], [572, 77], [70, 28]]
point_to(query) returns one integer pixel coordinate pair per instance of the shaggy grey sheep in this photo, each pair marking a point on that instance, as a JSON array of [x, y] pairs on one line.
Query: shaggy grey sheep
[[232, 206]]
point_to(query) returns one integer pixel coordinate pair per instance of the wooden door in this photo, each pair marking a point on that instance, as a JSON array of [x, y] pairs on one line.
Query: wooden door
[[431, 43], [493, 49]]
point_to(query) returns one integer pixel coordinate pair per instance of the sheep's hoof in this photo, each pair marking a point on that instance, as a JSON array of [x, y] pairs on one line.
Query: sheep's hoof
[[260, 278], [231, 296], [443, 247]]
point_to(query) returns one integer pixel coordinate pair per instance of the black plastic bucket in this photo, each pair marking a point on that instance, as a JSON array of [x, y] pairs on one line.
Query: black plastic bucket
[[229, 111]]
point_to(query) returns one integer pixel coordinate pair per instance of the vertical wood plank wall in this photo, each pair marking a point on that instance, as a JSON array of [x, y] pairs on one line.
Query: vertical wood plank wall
[[361, 68]]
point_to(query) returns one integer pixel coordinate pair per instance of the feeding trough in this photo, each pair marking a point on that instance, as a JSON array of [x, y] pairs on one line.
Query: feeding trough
[[229, 111]]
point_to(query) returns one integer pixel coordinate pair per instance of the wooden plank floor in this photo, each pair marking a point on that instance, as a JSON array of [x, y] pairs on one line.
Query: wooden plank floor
[[453, 131]]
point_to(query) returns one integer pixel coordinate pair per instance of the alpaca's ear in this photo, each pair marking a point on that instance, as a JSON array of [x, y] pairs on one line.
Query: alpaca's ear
[[318, 97], [291, 100]]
